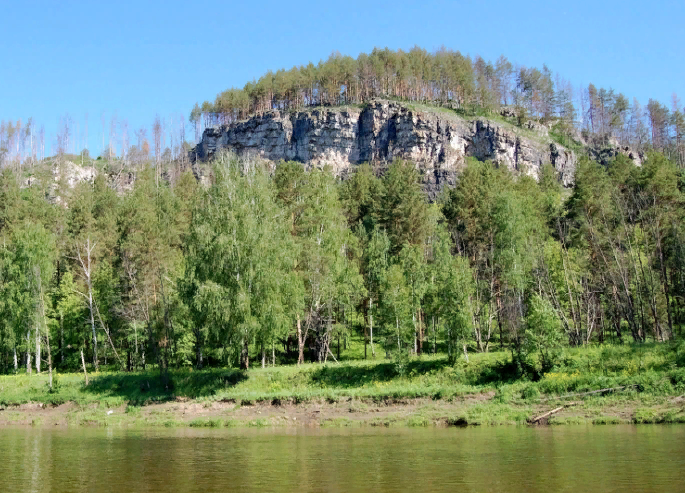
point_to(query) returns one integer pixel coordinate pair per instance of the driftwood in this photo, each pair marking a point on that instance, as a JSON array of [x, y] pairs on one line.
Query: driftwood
[[548, 413], [601, 391]]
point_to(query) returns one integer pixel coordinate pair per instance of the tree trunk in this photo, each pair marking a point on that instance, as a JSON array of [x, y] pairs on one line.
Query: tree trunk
[[37, 351], [28, 352], [47, 346], [449, 345], [83, 362], [300, 342], [373, 351], [245, 356], [198, 357], [263, 356], [16, 365], [435, 337], [92, 325], [420, 349], [61, 335], [273, 354]]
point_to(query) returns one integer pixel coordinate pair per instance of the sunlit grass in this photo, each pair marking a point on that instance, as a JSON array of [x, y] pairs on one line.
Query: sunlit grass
[[654, 371]]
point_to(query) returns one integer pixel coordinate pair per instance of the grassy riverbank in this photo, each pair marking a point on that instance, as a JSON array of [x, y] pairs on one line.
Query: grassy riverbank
[[488, 390]]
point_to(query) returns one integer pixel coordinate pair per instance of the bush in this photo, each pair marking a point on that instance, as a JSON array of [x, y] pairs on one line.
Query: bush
[[504, 394], [133, 410], [206, 423], [56, 384], [401, 361], [530, 392], [680, 354], [544, 333]]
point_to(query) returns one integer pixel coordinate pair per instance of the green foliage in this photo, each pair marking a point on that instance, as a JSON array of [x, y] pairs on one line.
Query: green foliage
[[240, 258], [543, 333], [404, 211], [578, 290]]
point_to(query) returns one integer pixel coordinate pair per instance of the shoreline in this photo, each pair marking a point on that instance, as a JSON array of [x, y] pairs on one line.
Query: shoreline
[[472, 410]]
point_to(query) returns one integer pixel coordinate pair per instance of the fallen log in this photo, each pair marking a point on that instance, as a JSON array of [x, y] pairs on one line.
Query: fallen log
[[601, 391], [548, 413]]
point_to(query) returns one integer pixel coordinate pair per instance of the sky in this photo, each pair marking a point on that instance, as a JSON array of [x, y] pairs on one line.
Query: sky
[[137, 59]]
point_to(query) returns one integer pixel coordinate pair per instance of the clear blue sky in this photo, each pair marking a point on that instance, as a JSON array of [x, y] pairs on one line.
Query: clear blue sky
[[139, 58]]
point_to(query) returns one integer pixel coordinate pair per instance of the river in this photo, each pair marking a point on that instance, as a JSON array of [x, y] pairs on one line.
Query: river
[[508, 459]]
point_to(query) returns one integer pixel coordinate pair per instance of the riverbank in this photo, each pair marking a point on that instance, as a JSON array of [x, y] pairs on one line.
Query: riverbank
[[648, 383], [474, 410]]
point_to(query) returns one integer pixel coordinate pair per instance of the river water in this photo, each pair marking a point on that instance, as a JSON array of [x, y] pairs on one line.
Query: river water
[[508, 459]]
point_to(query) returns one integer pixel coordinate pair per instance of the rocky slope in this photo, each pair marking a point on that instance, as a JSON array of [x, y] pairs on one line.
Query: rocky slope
[[437, 140]]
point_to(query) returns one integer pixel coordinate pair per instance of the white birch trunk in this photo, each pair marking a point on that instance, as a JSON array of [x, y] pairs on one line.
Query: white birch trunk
[[86, 266], [37, 351], [47, 344], [300, 342], [92, 325], [16, 364], [28, 352], [83, 362]]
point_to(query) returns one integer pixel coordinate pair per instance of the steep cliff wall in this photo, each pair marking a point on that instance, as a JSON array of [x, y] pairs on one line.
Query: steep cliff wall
[[437, 140]]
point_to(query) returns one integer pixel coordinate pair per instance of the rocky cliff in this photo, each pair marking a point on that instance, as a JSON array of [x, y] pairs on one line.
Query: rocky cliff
[[437, 140]]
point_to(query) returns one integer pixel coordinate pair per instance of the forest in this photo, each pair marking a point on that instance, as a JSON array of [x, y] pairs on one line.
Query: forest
[[266, 267], [141, 266]]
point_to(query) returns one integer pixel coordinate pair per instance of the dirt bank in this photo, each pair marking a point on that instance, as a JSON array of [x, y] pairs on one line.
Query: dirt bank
[[478, 409]]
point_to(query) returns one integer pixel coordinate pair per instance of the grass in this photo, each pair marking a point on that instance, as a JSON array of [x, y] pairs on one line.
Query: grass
[[494, 387]]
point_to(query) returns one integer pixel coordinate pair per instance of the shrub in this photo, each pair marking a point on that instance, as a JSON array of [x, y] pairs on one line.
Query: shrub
[[530, 392], [206, 423]]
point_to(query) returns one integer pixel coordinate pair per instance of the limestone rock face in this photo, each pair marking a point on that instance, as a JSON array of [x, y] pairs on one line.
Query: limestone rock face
[[437, 140], [604, 150], [65, 176], [72, 174]]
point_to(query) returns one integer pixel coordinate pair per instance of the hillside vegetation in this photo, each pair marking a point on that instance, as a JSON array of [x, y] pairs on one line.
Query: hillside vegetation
[[488, 390], [141, 274], [469, 86], [284, 266]]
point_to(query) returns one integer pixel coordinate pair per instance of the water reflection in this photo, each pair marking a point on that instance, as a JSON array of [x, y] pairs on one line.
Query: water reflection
[[577, 459]]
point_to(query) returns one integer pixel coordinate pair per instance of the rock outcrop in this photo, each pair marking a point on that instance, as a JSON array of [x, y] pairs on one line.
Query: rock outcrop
[[64, 176], [603, 150], [71, 174], [437, 140]]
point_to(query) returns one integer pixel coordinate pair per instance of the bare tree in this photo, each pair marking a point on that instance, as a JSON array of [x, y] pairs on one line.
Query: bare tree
[[124, 140], [157, 136], [182, 138], [112, 136]]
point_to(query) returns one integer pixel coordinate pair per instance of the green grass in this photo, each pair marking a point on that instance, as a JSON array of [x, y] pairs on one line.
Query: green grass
[[655, 369]]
